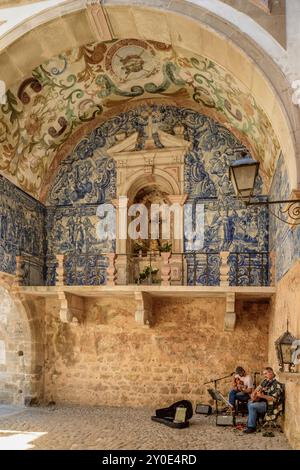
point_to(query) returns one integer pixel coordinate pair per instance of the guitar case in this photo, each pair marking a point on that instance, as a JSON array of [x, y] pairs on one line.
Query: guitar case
[[166, 415]]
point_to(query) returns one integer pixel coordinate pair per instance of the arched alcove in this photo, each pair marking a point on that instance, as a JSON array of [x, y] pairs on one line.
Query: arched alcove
[[146, 191], [257, 81], [73, 134], [21, 349], [160, 178], [177, 150]]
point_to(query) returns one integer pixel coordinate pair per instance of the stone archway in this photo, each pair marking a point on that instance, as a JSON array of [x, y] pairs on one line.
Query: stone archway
[[148, 191], [202, 30], [21, 350], [152, 168], [161, 178]]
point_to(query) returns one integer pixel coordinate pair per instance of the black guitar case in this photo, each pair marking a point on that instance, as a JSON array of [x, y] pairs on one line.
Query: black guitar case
[[166, 415]]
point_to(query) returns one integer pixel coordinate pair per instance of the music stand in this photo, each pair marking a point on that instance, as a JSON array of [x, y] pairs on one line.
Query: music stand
[[217, 396]]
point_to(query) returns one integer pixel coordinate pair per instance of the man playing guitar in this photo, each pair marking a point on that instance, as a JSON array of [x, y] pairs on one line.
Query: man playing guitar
[[242, 387], [263, 396]]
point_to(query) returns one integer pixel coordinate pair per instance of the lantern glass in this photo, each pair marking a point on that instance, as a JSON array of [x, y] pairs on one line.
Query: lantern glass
[[242, 174], [286, 353]]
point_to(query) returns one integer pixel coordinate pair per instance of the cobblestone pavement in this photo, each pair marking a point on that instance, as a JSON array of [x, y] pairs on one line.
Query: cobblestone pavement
[[73, 427]]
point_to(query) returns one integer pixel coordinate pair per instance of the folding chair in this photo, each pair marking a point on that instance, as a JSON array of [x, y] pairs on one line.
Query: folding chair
[[272, 418]]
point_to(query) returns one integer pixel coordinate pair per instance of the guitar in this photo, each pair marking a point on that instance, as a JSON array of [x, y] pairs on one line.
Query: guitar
[[261, 388], [239, 384]]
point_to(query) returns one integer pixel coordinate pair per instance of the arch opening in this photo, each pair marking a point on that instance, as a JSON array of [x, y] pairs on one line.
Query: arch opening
[[243, 72], [21, 357]]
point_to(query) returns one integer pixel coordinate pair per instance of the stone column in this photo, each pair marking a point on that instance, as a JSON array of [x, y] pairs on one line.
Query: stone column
[[178, 263], [122, 265], [224, 269], [165, 268], [60, 270], [111, 270], [178, 244], [122, 262], [121, 205]]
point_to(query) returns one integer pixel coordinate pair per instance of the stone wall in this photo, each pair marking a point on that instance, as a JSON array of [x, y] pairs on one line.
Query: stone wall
[[286, 306], [21, 350], [110, 360]]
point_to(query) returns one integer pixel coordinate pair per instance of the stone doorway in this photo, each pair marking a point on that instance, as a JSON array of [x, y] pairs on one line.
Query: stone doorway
[[20, 374]]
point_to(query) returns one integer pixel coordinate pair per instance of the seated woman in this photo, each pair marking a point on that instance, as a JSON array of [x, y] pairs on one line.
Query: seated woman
[[242, 387]]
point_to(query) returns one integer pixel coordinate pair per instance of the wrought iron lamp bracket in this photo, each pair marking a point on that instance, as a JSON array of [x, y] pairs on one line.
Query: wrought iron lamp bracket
[[289, 214]]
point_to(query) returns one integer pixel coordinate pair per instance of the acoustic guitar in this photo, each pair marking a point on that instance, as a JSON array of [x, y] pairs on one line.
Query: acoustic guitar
[[261, 388]]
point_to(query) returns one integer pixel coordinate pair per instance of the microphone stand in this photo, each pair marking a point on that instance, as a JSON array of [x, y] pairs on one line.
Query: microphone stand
[[215, 382]]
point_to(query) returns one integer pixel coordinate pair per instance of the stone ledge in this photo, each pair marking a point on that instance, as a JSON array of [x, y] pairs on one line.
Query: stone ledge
[[245, 293], [289, 377], [73, 298]]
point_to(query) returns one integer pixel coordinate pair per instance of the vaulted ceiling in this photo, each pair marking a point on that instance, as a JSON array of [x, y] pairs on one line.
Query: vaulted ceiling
[[67, 96]]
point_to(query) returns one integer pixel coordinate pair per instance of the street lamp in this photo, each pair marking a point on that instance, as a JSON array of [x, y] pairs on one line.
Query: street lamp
[[243, 174], [284, 350]]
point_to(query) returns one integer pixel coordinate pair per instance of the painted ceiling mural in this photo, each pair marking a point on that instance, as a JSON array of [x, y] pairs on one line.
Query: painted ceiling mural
[[80, 86], [87, 177]]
